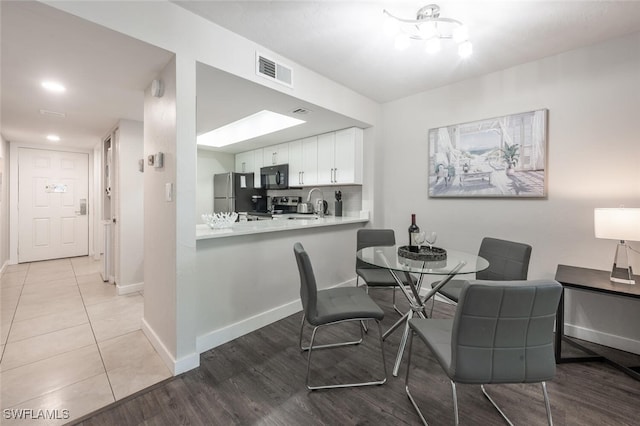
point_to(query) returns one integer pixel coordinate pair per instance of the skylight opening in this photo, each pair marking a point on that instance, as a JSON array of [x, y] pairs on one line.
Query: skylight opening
[[258, 124]]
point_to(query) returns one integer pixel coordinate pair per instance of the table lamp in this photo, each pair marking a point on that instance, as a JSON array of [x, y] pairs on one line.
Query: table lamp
[[619, 224]]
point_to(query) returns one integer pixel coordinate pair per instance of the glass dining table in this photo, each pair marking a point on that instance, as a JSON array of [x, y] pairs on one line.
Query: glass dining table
[[413, 271]]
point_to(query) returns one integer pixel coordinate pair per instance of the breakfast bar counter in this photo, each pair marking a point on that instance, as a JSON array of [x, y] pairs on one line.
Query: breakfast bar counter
[[251, 280], [284, 223]]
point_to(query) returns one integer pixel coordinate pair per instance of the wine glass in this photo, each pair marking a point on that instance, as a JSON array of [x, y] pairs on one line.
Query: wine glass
[[430, 238], [419, 238]]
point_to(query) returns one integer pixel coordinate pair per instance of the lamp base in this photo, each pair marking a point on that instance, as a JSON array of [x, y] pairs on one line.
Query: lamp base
[[621, 275], [621, 271]]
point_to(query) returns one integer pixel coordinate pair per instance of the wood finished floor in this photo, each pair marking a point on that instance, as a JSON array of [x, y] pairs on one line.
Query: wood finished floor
[[258, 379]]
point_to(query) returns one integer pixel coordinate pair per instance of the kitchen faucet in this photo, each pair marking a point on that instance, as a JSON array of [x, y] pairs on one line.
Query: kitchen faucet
[[320, 208]]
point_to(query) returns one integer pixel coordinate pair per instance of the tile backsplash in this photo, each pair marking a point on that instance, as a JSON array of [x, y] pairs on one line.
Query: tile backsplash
[[351, 196]]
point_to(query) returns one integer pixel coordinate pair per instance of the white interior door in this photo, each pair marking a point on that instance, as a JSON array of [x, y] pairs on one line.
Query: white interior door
[[53, 204]]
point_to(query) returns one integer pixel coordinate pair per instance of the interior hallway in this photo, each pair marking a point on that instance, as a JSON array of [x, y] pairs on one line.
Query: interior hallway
[[68, 342]]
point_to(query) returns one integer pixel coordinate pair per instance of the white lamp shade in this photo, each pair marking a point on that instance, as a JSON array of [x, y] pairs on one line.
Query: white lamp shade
[[617, 224]]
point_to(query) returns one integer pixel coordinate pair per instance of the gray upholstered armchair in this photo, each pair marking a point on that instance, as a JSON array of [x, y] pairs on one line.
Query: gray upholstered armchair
[[502, 332]]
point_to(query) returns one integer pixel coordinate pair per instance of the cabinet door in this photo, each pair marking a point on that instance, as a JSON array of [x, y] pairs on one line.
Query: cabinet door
[[257, 164], [295, 163], [309, 160], [244, 162], [276, 154], [282, 153], [326, 155], [345, 165]]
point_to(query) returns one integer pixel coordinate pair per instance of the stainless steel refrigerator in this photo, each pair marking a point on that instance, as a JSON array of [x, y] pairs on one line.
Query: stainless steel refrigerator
[[232, 192]]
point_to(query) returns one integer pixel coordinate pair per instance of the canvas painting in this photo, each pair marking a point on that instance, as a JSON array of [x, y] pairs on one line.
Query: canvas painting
[[498, 157]]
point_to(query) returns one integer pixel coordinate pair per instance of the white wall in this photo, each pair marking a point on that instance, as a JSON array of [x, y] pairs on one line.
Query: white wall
[[160, 217], [210, 163], [593, 97], [4, 203], [130, 274]]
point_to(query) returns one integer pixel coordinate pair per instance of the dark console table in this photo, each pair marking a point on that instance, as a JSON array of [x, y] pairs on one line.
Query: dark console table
[[595, 281]]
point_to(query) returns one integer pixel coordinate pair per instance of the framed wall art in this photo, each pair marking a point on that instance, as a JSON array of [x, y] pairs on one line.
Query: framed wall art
[[497, 157]]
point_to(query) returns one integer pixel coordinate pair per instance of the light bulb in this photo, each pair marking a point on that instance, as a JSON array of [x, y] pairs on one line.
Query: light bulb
[[402, 41], [53, 138], [428, 30], [390, 25], [465, 49], [433, 46], [460, 34]]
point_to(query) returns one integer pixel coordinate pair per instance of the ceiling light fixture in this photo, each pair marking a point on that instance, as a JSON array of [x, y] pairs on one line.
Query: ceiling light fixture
[[429, 27], [53, 86], [258, 124], [53, 138]]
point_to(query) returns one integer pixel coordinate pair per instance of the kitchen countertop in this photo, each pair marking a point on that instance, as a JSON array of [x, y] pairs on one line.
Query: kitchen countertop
[[281, 223]]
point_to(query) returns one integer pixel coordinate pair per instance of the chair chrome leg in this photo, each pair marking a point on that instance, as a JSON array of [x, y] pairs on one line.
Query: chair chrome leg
[[455, 403], [301, 330], [484, 391], [406, 382], [547, 405], [345, 385], [332, 345], [366, 289]]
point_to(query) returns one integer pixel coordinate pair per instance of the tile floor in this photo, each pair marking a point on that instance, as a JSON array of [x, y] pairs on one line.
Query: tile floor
[[68, 342]]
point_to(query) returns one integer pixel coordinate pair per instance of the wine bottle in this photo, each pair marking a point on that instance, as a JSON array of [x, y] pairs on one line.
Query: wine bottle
[[413, 230]]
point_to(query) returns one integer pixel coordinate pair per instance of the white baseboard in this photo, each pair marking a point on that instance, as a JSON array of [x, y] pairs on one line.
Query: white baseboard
[[601, 338], [129, 288], [226, 334], [175, 366], [4, 266]]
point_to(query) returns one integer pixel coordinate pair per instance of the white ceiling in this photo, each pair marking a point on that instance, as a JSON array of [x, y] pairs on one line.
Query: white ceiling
[[344, 41], [106, 72]]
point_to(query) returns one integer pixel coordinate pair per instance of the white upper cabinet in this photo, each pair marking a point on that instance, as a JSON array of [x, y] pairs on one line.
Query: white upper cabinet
[[245, 162], [340, 157], [310, 161], [303, 163], [333, 158], [276, 154], [326, 158], [258, 162], [295, 163], [248, 162]]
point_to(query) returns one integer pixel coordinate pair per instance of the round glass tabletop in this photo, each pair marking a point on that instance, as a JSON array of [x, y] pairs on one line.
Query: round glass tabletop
[[388, 257]]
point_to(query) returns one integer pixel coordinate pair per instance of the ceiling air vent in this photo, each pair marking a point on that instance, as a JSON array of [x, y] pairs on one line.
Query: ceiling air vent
[[55, 114], [273, 70], [301, 111]]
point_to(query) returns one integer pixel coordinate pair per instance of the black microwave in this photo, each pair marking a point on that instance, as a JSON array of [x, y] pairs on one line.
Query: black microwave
[[275, 177]]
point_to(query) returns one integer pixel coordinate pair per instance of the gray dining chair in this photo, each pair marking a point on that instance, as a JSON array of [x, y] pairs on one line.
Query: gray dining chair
[[333, 306], [373, 276], [508, 260], [502, 332]]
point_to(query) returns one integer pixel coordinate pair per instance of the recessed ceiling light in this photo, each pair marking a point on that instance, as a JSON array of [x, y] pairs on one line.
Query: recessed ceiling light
[[258, 124], [53, 138], [53, 86]]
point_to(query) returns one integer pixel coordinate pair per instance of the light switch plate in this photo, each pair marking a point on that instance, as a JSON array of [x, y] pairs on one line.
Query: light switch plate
[[168, 192]]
